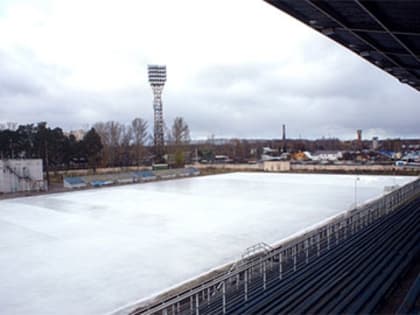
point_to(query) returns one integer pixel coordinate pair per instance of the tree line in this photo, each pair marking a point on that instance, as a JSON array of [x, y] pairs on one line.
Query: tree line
[[105, 144], [113, 144], [57, 149]]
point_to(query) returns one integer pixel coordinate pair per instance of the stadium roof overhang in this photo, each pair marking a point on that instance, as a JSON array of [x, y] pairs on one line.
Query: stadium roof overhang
[[385, 33]]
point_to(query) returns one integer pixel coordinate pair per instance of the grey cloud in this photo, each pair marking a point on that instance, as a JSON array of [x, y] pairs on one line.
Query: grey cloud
[[14, 81], [352, 95], [14, 86], [30, 92], [224, 76], [241, 100]]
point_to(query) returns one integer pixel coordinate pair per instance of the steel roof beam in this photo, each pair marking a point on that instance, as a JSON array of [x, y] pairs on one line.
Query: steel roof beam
[[376, 19], [358, 36], [359, 49], [367, 30]]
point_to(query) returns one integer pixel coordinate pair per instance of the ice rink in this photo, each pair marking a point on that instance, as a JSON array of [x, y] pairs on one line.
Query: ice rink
[[93, 251]]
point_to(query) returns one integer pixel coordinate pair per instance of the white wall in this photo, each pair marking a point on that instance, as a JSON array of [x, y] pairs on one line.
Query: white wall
[[276, 166], [21, 175], [267, 166]]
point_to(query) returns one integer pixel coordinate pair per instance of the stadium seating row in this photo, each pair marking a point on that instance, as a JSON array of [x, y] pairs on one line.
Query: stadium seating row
[[351, 278], [127, 177]]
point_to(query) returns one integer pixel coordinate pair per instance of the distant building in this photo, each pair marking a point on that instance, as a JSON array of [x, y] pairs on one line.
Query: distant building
[[412, 156], [359, 135], [359, 139], [375, 143], [78, 134], [326, 155], [21, 175], [269, 154], [301, 156], [74, 182], [222, 159], [391, 154], [276, 166]]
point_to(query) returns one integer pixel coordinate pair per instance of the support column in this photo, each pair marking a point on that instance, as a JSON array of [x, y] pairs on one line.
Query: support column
[[224, 297], [336, 234], [191, 304], [328, 237], [197, 305], [318, 244], [246, 285], [264, 276]]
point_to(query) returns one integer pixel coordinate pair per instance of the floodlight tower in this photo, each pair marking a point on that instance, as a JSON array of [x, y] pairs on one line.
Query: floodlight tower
[[157, 79]]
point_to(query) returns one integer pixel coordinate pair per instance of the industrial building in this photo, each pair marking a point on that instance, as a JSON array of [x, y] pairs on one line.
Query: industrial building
[[21, 175]]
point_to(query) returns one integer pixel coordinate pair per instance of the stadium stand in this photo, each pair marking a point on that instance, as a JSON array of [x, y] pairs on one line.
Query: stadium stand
[[144, 175], [127, 177], [74, 182], [349, 279], [192, 171], [411, 303], [347, 264], [100, 183]]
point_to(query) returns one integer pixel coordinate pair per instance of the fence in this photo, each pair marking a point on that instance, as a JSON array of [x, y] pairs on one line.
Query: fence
[[256, 272]]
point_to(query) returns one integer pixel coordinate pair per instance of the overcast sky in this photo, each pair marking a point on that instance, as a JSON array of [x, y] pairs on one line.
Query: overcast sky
[[236, 68]]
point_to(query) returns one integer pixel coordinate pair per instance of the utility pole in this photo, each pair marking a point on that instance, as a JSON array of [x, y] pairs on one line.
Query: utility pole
[[46, 162]]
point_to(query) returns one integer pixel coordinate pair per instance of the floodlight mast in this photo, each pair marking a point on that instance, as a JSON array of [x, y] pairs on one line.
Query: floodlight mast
[[157, 79]]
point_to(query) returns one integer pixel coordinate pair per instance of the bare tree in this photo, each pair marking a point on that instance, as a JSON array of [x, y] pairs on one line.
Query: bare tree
[[126, 135], [125, 156], [101, 130], [111, 137], [168, 135], [8, 126], [140, 135], [115, 132], [180, 138], [180, 132]]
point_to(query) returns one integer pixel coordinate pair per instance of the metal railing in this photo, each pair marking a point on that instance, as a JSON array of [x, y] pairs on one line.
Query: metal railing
[[276, 264]]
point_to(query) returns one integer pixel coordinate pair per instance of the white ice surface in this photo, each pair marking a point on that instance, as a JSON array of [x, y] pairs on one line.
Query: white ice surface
[[90, 252]]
